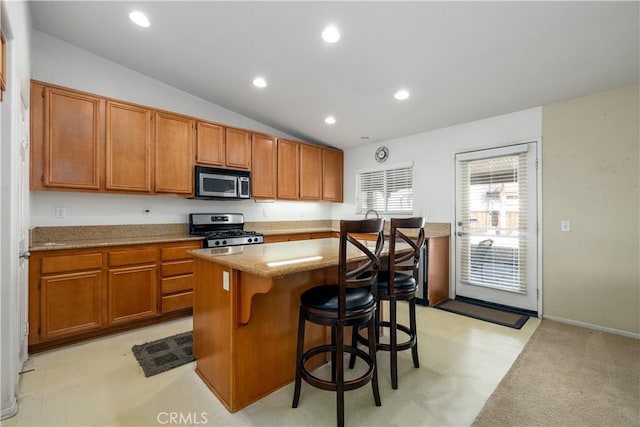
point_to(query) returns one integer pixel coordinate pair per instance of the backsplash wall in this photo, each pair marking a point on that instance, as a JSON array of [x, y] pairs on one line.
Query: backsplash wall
[[114, 209]]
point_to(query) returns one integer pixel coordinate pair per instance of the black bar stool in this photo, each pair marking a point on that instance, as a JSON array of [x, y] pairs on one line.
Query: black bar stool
[[398, 283], [350, 302]]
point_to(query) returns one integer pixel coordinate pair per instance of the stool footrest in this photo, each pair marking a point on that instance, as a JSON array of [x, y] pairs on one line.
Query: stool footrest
[[351, 384], [401, 346]]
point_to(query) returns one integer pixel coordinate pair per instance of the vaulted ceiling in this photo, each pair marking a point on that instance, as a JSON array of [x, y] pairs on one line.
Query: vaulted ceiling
[[460, 61]]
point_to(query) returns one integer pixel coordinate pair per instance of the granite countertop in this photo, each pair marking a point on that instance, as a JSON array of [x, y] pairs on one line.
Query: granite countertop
[[279, 259], [90, 236], [432, 229], [84, 236]]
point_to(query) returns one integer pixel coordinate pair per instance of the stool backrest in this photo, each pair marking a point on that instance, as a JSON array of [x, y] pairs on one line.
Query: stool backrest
[[364, 272], [405, 261]]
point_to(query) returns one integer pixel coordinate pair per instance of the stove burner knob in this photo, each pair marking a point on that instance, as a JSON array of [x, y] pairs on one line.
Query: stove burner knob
[[217, 242], [224, 242], [249, 240]]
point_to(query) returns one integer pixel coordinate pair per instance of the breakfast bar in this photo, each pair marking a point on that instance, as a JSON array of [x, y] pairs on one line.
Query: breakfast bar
[[245, 314]]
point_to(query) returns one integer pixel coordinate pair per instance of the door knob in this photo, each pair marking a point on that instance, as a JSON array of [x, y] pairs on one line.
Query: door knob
[[25, 255]]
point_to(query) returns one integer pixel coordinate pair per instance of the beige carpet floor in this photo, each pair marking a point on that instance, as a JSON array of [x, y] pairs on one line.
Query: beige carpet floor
[[569, 376]]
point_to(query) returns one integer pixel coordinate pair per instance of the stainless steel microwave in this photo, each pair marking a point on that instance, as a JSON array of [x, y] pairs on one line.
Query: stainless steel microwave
[[217, 183]]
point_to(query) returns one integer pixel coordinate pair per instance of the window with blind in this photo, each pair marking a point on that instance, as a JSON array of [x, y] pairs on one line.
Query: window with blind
[[388, 191], [493, 217]]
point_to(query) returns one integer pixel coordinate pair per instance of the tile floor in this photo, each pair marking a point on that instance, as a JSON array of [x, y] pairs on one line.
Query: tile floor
[[99, 383]]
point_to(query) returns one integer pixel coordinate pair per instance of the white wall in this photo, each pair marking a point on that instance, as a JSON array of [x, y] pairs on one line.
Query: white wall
[[15, 25], [57, 62], [591, 177], [432, 153]]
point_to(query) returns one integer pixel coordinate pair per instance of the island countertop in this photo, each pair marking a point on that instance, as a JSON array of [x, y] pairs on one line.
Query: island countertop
[[279, 259]]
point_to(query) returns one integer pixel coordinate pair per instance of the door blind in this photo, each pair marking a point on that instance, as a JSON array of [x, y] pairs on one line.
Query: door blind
[[493, 222]]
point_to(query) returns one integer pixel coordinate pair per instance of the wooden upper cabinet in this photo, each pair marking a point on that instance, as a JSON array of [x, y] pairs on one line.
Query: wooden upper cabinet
[[332, 175], [288, 169], [310, 172], [128, 148], [210, 147], [264, 166], [72, 139], [174, 137], [238, 148]]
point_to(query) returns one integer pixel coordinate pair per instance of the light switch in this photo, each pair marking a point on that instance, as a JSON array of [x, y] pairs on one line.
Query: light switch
[[225, 280], [565, 225]]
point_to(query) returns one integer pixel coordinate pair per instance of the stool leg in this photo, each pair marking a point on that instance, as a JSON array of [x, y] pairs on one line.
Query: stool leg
[[414, 332], [373, 326], [377, 317], [354, 343], [393, 337], [333, 355], [296, 392], [339, 372]]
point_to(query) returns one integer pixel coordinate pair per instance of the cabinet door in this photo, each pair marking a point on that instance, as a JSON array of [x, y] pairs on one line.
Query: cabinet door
[[128, 147], [288, 169], [73, 139], [174, 154], [332, 175], [238, 148], [310, 172], [210, 146], [264, 166], [132, 293], [70, 303]]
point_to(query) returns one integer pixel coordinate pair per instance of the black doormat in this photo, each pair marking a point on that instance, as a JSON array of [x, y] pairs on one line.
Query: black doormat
[[164, 354], [492, 315]]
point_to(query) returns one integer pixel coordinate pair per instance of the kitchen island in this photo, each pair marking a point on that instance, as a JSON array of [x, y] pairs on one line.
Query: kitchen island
[[245, 314]]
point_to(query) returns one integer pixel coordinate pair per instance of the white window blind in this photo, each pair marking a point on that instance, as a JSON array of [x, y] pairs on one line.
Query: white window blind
[[388, 191], [494, 220]]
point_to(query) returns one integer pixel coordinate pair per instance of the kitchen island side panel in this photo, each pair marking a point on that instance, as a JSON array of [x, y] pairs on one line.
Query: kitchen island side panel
[[241, 362], [212, 329]]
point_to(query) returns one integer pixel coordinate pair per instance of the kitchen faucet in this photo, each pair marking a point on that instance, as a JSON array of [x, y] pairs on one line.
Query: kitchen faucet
[[366, 215]]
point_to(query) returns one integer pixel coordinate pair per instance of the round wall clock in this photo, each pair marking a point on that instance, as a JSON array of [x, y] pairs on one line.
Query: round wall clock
[[382, 153]]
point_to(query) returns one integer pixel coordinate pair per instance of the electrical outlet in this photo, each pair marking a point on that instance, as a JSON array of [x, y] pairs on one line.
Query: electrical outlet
[[565, 225], [225, 280], [146, 212], [61, 212]]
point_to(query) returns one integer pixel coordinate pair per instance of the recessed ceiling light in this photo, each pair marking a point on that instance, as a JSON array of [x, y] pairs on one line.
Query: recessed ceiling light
[[331, 34], [259, 82], [139, 18], [330, 120], [401, 94]]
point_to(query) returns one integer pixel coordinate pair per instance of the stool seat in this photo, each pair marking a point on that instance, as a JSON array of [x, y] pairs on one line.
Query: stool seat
[[326, 298], [401, 281]]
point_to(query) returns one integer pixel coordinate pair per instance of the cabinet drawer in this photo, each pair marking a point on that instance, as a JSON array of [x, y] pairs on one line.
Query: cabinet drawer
[[178, 252], [177, 284], [138, 256], [56, 264], [176, 268], [177, 302]]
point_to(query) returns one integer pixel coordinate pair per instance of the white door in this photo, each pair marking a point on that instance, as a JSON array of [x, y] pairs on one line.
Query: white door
[[496, 226]]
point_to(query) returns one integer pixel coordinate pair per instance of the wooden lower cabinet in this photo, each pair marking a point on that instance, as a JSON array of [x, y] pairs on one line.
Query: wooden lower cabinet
[[176, 283], [70, 303], [132, 293], [297, 236], [76, 294]]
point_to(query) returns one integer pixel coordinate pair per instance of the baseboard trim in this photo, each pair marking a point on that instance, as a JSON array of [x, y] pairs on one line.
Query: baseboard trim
[[11, 410], [591, 326]]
